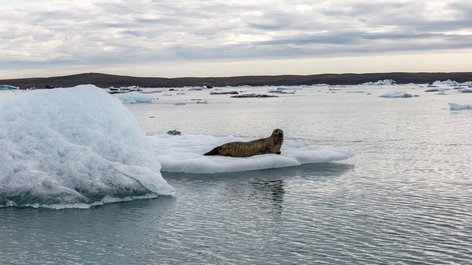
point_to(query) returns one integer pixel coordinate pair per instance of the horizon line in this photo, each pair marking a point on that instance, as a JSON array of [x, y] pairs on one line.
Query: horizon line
[[236, 76]]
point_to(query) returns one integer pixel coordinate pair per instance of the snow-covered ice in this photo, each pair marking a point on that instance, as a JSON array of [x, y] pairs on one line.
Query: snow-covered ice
[[134, 97], [73, 147], [185, 154]]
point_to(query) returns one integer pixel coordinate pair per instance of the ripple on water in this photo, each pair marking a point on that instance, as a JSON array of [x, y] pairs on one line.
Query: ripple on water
[[407, 200]]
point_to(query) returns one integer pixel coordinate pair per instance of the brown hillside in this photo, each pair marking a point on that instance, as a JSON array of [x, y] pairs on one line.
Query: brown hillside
[[106, 80]]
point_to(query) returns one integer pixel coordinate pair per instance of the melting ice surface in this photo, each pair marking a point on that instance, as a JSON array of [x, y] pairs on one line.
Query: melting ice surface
[[73, 147], [183, 153]]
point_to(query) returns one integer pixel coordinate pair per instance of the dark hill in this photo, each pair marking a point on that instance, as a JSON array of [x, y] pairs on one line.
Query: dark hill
[[105, 80]]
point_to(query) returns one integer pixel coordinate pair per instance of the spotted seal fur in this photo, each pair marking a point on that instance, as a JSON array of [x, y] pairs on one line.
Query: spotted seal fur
[[269, 145]]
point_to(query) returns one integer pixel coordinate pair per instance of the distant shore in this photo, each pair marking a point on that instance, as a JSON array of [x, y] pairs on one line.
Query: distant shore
[[106, 80]]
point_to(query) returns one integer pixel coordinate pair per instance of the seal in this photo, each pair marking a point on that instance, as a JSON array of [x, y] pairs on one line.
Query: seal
[[269, 145]]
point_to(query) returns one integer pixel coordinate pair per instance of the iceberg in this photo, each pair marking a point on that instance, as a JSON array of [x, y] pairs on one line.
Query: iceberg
[[73, 147], [184, 154], [134, 98], [396, 94], [455, 106]]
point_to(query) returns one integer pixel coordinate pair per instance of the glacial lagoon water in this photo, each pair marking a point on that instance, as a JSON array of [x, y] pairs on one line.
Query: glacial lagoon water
[[405, 197]]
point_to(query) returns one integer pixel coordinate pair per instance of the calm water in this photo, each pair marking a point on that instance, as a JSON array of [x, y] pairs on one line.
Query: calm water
[[406, 197]]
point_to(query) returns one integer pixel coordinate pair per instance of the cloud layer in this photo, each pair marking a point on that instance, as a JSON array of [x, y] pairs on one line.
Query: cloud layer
[[93, 33]]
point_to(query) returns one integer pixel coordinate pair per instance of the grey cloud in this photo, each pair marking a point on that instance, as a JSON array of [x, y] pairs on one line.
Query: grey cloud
[[463, 9], [141, 31], [134, 33]]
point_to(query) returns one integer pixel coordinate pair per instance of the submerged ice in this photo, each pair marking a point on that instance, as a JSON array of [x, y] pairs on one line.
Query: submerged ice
[[185, 154], [73, 147]]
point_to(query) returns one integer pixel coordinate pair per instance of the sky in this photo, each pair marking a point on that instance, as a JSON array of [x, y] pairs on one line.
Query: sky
[[175, 38]]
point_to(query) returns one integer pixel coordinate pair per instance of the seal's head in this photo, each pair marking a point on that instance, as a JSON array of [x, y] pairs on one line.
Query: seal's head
[[278, 133]]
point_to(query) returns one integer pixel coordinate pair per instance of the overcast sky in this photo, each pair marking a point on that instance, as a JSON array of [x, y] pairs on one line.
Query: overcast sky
[[233, 37]]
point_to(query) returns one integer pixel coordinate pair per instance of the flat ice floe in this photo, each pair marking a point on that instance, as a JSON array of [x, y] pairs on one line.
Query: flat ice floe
[[73, 147], [396, 94], [184, 153]]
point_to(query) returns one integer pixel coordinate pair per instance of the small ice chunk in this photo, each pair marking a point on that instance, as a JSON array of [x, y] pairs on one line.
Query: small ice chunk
[[455, 106], [396, 94], [466, 90], [433, 89]]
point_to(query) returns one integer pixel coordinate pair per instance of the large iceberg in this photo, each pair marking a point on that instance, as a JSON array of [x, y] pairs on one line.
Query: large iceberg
[[73, 147], [184, 154]]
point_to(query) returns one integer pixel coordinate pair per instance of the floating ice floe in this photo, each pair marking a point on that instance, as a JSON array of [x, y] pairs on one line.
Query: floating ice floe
[[381, 83], [455, 106], [184, 153], [254, 95], [219, 92], [119, 90], [434, 89], [282, 90], [73, 147], [448, 82], [396, 94], [134, 98], [8, 87], [466, 90]]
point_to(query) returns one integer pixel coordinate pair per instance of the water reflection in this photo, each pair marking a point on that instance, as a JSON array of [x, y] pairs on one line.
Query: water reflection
[[270, 191], [261, 190]]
